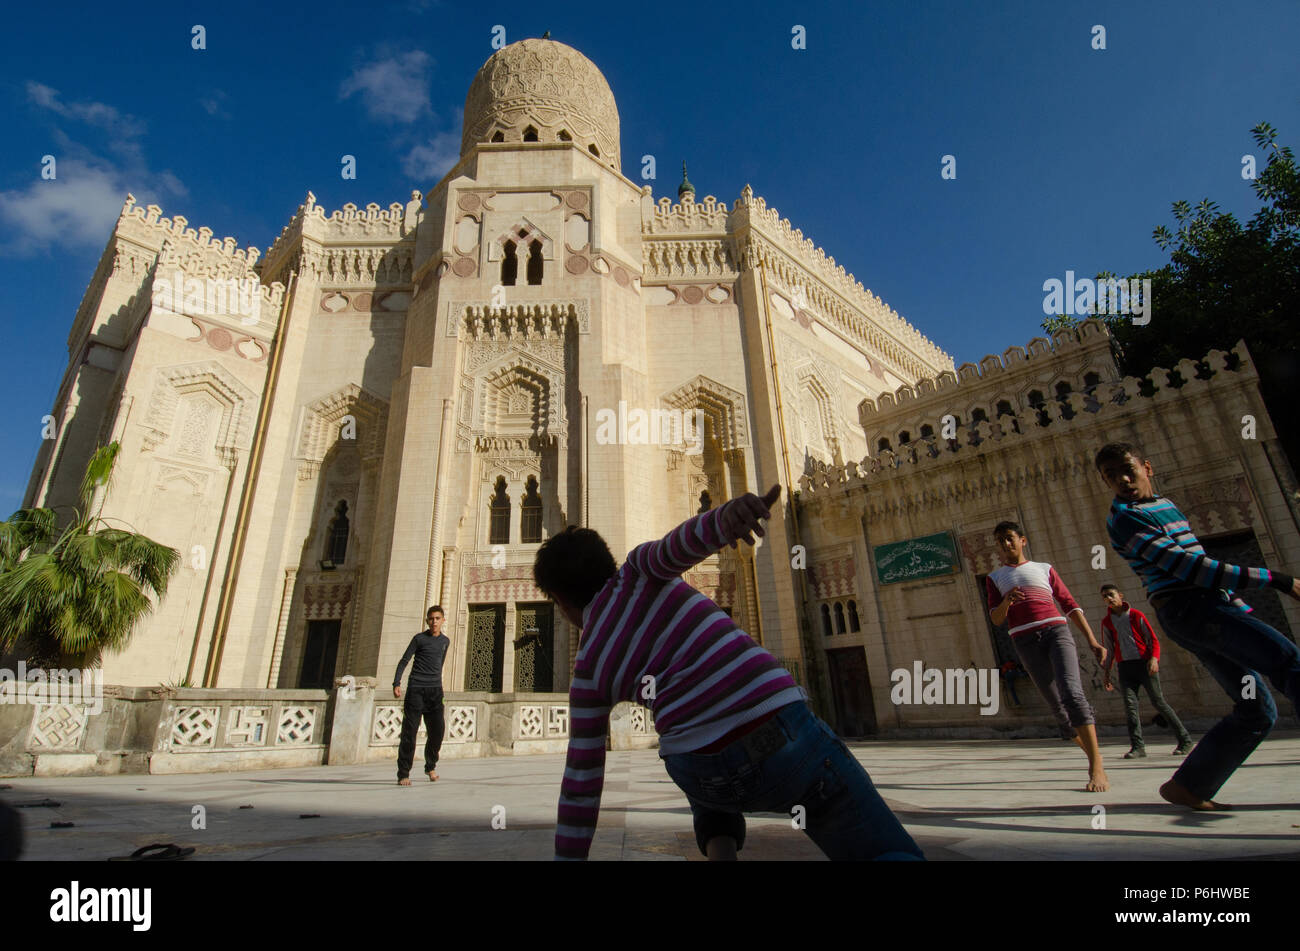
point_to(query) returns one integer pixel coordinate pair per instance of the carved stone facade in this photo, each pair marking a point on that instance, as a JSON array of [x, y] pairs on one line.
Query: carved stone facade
[[1014, 439], [417, 394]]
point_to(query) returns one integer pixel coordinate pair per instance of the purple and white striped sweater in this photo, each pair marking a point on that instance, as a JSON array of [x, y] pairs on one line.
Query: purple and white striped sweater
[[648, 636]]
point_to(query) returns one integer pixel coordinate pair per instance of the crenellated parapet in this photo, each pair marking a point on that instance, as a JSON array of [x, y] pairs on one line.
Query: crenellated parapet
[[203, 254], [146, 248], [1102, 405], [752, 215], [688, 217], [350, 246], [1018, 383]]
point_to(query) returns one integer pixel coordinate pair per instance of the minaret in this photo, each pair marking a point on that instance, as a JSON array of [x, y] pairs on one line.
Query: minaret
[[685, 188]]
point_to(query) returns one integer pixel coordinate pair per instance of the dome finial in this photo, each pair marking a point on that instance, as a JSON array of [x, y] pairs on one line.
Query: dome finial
[[546, 35], [685, 188]]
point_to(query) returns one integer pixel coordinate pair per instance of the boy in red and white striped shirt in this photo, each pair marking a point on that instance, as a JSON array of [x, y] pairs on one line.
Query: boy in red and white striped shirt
[[735, 731], [1024, 595]]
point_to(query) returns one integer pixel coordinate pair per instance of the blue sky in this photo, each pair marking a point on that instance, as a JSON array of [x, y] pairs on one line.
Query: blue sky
[[1066, 157]]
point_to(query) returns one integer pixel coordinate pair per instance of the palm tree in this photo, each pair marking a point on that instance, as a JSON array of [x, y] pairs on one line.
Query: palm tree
[[70, 598]]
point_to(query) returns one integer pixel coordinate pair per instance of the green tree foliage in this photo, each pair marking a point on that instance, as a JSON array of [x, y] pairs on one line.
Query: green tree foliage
[[66, 596], [1224, 282]]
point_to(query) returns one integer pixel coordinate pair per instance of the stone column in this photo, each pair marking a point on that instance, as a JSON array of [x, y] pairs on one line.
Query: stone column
[[286, 605]]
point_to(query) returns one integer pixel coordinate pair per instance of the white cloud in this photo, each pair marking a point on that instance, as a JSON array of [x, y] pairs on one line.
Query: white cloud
[[92, 113], [394, 87], [77, 208], [429, 161]]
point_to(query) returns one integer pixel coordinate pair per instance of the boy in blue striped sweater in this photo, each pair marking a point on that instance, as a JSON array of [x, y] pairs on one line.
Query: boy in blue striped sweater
[[1194, 598]]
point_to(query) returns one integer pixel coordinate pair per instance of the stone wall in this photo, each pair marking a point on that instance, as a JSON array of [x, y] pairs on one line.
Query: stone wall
[[163, 730]]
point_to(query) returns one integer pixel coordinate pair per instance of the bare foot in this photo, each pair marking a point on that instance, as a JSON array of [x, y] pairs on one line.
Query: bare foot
[[404, 781], [433, 775], [1097, 781], [1180, 795]]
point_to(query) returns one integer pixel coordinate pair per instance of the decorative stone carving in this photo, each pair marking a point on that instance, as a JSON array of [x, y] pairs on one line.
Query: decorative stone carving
[[326, 602], [530, 722], [723, 406], [295, 727], [387, 725], [57, 727], [548, 86], [462, 724], [641, 721], [557, 720], [194, 728], [211, 384], [247, 726], [323, 421]]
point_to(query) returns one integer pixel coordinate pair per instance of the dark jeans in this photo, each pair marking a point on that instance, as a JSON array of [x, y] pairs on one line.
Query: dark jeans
[[426, 702], [1133, 676], [1233, 645], [796, 765]]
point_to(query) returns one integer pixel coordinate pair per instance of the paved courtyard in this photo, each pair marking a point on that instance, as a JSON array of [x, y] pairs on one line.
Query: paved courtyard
[[960, 800]]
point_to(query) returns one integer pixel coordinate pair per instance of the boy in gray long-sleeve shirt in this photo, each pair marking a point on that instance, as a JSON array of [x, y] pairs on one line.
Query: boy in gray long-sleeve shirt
[[423, 697]]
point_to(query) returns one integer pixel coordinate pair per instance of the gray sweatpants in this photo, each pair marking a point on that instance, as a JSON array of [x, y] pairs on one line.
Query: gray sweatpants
[[1052, 662]]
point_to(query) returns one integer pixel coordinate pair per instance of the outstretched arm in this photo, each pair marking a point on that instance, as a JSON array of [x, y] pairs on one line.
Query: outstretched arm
[[697, 538], [584, 773], [1135, 539]]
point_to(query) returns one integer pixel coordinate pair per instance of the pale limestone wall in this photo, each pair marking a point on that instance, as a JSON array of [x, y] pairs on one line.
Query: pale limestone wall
[[176, 381], [1042, 477]]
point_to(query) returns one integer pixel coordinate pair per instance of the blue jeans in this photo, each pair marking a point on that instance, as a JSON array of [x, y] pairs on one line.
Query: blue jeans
[[793, 760], [1232, 645]]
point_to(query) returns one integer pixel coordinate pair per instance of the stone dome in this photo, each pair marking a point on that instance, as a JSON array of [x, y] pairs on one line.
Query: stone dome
[[542, 91]]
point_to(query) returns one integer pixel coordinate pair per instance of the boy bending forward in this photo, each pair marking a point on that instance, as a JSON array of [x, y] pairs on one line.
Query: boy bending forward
[[735, 732]]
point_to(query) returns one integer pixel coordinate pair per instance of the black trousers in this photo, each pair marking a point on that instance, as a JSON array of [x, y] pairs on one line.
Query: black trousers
[[420, 702], [1133, 676]]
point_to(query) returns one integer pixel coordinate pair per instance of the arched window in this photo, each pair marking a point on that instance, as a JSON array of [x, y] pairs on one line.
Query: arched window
[[499, 529], [853, 617], [564, 136], [979, 416], [530, 134], [904, 438], [954, 444], [882, 446], [530, 525], [706, 503], [509, 265], [498, 137], [1037, 402], [1004, 409], [1090, 383], [535, 262], [1063, 390], [826, 621], [839, 618], [336, 539], [926, 430]]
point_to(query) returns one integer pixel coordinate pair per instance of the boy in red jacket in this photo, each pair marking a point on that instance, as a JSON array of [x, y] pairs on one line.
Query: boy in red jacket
[[1134, 644]]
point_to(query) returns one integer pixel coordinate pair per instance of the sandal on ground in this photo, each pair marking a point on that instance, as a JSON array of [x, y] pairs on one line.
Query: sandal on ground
[[158, 852]]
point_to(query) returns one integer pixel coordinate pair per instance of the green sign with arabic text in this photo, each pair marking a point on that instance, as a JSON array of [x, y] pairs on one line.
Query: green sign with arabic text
[[917, 558]]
